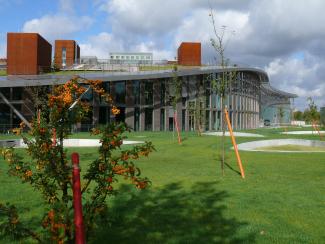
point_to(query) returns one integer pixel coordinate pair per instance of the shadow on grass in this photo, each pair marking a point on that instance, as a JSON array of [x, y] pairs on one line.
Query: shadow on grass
[[231, 168], [171, 215]]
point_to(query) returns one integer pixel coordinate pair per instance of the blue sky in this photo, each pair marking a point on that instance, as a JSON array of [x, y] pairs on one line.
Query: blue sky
[[285, 38]]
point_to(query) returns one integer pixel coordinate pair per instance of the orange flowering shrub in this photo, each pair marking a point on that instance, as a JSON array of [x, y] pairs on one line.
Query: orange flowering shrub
[[115, 110], [49, 169]]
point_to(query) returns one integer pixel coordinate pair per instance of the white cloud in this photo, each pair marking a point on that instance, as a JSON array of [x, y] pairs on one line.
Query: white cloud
[[54, 27], [100, 45], [268, 33], [299, 76], [158, 54], [67, 6], [198, 27], [146, 17], [3, 45], [3, 50]]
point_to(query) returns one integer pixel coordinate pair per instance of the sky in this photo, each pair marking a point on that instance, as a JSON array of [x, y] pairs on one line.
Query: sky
[[284, 38]]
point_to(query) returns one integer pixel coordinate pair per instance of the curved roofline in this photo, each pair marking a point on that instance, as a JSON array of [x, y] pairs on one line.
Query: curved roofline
[[48, 79], [267, 86]]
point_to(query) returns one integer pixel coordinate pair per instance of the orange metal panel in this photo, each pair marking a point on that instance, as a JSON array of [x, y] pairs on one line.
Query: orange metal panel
[[27, 54], [189, 53], [72, 50]]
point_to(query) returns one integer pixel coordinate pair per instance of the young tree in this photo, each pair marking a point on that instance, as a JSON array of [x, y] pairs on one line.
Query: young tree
[[48, 168], [281, 114], [314, 114], [222, 84], [311, 115], [298, 115], [175, 87]]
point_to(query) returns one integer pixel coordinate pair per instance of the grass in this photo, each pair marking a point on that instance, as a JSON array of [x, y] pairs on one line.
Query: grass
[[290, 147], [3, 72], [280, 201]]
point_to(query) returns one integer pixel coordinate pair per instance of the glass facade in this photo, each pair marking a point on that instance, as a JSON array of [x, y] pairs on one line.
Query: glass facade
[[4, 114], [17, 93], [136, 92], [64, 56], [137, 96], [136, 125], [104, 115], [162, 93], [148, 112], [162, 119], [183, 119], [120, 93], [148, 92]]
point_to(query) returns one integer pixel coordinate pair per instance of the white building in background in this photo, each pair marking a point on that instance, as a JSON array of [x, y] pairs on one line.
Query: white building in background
[[130, 58], [88, 60]]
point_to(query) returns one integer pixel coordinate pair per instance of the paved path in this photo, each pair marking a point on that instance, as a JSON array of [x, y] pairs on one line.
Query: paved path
[[242, 134]]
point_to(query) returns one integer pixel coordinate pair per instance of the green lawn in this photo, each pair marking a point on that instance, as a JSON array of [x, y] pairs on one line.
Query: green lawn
[[282, 199], [3, 72]]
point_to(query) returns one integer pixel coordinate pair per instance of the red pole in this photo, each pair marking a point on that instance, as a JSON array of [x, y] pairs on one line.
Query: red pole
[[177, 129], [78, 221], [38, 117], [54, 137]]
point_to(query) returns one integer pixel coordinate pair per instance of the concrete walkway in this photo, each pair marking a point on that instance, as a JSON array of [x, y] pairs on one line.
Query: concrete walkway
[[304, 132], [19, 143], [240, 134], [251, 146]]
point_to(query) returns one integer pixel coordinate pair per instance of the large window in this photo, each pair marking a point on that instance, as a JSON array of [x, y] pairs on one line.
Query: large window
[[17, 93], [207, 94], [64, 56], [136, 92], [162, 93], [148, 91], [148, 119], [162, 119], [136, 119], [120, 92], [207, 119], [6, 92], [104, 115], [183, 119], [4, 114]]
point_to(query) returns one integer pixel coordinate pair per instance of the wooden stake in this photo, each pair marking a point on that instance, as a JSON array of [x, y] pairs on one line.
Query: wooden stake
[[177, 129], [317, 130], [235, 145]]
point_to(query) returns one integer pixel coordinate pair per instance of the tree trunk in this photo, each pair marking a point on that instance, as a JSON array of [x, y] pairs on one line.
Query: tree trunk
[[223, 136]]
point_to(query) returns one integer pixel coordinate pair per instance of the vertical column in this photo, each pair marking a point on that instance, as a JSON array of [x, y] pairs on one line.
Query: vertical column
[[142, 103], [156, 105], [234, 106], [129, 102]]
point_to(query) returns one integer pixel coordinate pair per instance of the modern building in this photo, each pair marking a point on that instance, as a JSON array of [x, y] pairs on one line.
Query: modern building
[[189, 53], [67, 53], [27, 54], [144, 98], [92, 60], [276, 106], [135, 58], [322, 116]]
